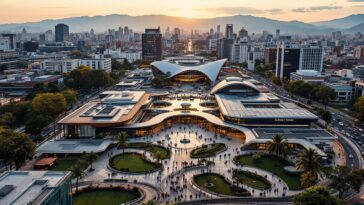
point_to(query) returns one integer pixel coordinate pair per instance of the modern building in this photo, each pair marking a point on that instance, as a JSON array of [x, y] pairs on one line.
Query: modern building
[[56, 47], [188, 69], [344, 92], [309, 76], [62, 33], [224, 47], [270, 56], [7, 42], [98, 62], [311, 58], [288, 60], [35, 188], [129, 55], [240, 51], [241, 102], [152, 45], [229, 31]]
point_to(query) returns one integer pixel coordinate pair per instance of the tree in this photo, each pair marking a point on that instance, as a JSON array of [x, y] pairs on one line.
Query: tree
[[325, 94], [158, 156], [7, 119], [327, 116], [70, 96], [359, 108], [77, 172], [122, 139], [15, 148], [310, 162], [90, 158], [317, 195], [343, 179], [36, 124], [278, 146], [49, 104], [85, 78]]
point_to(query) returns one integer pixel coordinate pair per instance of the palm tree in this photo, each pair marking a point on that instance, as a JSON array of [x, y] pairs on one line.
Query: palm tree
[[278, 146], [310, 162], [77, 172], [122, 139], [90, 158]]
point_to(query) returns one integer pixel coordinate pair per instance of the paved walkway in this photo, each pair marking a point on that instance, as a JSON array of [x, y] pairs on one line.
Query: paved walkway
[[173, 180]]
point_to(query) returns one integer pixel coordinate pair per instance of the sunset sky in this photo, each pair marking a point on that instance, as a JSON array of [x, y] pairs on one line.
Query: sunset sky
[[16, 11]]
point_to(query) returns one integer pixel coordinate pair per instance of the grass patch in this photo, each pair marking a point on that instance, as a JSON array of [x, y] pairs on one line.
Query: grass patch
[[64, 164], [251, 179], [102, 197], [273, 165], [220, 185], [150, 148], [207, 150], [132, 162]]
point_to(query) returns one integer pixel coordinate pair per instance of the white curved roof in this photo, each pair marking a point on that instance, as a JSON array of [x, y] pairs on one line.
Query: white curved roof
[[232, 81], [211, 70]]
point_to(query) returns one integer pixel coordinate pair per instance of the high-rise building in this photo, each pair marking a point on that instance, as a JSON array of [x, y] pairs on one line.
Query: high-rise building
[[359, 53], [270, 56], [229, 31], [240, 51], [288, 60], [278, 33], [152, 45], [62, 32], [311, 58], [224, 47], [10, 39], [243, 33], [218, 29]]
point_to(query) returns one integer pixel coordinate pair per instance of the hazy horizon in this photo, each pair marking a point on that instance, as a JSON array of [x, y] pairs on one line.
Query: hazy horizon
[[18, 11]]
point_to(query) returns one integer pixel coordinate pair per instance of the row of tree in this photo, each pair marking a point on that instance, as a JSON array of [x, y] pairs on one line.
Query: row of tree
[[310, 162], [321, 93]]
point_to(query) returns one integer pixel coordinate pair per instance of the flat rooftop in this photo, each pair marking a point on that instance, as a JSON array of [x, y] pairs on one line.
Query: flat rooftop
[[115, 108], [261, 106], [23, 187], [293, 133], [73, 146]]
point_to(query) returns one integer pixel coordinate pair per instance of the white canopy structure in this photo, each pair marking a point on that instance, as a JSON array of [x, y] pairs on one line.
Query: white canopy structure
[[210, 70]]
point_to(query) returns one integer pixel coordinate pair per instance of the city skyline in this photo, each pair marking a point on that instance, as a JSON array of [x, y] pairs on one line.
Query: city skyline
[[17, 11]]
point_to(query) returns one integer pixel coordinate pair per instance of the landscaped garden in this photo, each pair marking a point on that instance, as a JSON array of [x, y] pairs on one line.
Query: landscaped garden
[[273, 165], [132, 162], [208, 150], [251, 179], [64, 164], [218, 184], [105, 196], [165, 153]]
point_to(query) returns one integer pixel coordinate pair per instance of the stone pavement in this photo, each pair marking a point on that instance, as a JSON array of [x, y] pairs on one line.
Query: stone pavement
[[173, 180]]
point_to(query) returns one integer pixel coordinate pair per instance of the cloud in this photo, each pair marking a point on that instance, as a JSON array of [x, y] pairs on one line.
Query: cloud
[[315, 9], [240, 10], [55, 7], [355, 0]]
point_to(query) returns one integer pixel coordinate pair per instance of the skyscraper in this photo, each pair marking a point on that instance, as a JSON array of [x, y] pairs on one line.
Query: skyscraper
[[152, 45], [288, 60], [243, 33], [62, 32], [229, 31]]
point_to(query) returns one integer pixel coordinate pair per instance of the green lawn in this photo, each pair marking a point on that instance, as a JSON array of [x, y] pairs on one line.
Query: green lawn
[[63, 164], [272, 165], [221, 186], [104, 197], [132, 162], [150, 148], [253, 180], [207, 150]]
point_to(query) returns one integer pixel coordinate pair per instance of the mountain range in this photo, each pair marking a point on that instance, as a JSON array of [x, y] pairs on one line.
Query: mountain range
[[349, 24]]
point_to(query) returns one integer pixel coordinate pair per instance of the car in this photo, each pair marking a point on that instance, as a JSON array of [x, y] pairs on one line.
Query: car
[[359, 142], [341, 123], [351, 156], [362, 153]]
